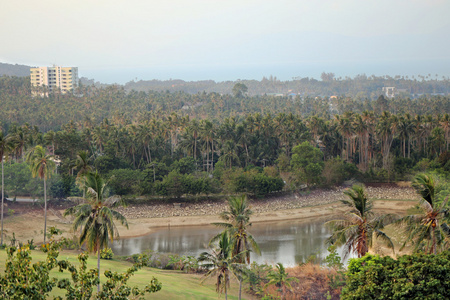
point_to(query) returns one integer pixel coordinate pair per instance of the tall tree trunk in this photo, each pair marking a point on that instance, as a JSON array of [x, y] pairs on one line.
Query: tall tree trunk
[[434, 240], [240, 288], [3, 196], [409, 147], [195, 149], [45, 208], [98, 266]]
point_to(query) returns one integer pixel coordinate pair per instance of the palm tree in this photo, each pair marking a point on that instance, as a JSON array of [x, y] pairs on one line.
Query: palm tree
[[220, 262], [229, 150], [41, 165], [280, 279], [5, 147], [237, 221], [97, 216], [83, 167], [359, 225], [427, 230], [445, 124], [207, 134]]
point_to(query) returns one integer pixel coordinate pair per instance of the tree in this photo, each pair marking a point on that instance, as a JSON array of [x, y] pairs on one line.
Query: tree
[[41, 166], [428, 229], [220, 261], [308, 162], [6, 147], [382, 104], [83, 167], [239, 90], [417, 276], [237, 219], [23, 279], [279, 278], [97, 216], [359, 225]]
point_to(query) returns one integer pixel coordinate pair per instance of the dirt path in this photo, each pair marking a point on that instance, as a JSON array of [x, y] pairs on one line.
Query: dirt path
[[142, 219]]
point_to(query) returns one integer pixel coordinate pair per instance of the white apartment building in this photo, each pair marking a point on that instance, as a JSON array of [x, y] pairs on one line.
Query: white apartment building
[[63, 78]]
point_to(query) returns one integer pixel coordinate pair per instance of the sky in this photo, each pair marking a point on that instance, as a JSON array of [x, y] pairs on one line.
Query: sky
[[123, 40]]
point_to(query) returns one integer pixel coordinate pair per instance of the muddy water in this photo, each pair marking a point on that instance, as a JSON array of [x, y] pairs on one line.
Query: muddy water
[[289, 242]]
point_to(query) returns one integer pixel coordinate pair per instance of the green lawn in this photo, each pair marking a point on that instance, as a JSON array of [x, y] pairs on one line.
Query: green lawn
[[175, 284]]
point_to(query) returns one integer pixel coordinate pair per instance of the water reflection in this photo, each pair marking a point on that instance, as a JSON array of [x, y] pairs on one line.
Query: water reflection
[[288, 242]]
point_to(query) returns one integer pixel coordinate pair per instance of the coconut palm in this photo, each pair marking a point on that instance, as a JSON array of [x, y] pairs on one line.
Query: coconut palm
[[427, 230], [279, 278], [237, 221], [41, 165], [83, 167], [220, 263], [97, 216], [5, 147], [359, 225]]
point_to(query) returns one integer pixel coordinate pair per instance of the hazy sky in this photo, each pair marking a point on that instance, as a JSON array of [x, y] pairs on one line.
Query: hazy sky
[[117, 41]]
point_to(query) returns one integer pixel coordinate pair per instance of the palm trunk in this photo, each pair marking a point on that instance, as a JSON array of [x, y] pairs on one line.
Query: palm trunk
[[240, 288], [45, 208], [195, 148], [434, 241], [98, 268], [3, 196]]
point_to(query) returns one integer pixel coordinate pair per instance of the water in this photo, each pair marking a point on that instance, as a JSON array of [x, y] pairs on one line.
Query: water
[[289, 242]]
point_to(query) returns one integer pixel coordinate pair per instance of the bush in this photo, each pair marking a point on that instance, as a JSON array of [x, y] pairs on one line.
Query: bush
[[258, 184], [418, 276], [106, 253], [125, 181]]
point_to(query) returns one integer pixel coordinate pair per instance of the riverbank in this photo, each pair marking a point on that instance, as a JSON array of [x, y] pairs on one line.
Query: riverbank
[[143, 219]]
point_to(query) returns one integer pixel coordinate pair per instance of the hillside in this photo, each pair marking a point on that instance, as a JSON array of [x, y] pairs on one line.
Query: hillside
[[14, 70]]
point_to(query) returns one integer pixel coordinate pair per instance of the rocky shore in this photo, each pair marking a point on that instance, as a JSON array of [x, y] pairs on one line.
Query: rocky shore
[[28, 221], [271, 204]]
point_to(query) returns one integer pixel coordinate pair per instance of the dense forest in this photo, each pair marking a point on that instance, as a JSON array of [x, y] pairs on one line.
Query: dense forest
[[171, 144]]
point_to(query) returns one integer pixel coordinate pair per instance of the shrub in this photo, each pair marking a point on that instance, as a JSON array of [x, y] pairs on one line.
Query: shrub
[[418, 276], [106, 253]]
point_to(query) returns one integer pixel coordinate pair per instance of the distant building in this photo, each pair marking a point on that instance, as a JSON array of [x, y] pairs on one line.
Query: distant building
[[56, 77], [391, 92]]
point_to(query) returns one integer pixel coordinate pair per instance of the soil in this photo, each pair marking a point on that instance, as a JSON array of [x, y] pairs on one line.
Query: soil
[[26, 220]]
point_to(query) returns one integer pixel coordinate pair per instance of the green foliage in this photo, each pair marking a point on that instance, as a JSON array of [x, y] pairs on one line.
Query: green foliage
[[19, 182], [125, 181], [254, 183], [336, 171], [185, 263], [428, 230], [186, 165], [221, 263], [417, 276], [106, 163], [239, 90], [106, 253], [280, 278], [256, 277], [176, 184], [64, 186], [334, 261], [23, 279], [307, 162], [357, 228]]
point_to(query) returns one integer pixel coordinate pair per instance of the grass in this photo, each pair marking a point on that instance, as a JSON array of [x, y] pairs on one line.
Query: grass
[[175, 284]]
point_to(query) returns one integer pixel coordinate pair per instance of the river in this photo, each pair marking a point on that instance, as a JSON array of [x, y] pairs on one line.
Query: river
[[289, 242]]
